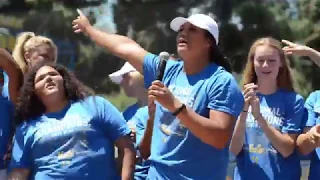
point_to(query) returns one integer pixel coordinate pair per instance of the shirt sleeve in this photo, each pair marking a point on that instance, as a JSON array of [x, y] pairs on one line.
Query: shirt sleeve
[[112, 122], [294, 114], [21, 152], [141, 121], [150, 67], [311, 115], [225, 95]]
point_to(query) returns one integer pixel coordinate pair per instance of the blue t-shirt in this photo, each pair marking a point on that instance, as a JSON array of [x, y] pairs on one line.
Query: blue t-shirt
[[176, 153], [75, 143], [312, 106], [259, 159], [6, 117], [141, 118], [130, 111]]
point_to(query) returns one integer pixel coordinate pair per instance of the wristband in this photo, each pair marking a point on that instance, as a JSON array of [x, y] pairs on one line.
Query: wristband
[[179, 110]]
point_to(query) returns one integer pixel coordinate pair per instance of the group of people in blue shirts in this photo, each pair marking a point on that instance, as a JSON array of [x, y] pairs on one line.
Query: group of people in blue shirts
[[184, 126]]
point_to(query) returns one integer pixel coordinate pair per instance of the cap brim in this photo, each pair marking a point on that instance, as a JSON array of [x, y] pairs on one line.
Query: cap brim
[[177, 22], [116, 77]]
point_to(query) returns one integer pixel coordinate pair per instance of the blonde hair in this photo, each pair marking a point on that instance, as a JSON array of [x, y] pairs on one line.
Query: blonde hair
[[284, 79], [27, 41]]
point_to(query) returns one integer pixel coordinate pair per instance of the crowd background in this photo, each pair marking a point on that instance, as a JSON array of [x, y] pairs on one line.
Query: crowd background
[[241, 22]]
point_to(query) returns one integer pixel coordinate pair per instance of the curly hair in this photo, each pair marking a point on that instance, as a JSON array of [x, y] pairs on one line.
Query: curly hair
[[29, 106]]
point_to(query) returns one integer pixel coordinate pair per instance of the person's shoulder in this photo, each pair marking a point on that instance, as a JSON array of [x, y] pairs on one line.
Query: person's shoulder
[[170, 62], [29, 125], [219, 76], [292, 95], [290, 98], [95, 99], [94, 104], [142, 110], [141, 115], [314, 95]]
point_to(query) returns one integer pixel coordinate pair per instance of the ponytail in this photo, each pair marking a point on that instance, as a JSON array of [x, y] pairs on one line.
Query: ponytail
[[220, 59], [217, 56], [19, 49]]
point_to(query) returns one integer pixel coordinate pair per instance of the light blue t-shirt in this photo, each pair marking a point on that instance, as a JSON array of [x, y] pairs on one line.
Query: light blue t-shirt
[[5, 87], [130, 111], [176, 153], [259, 159], [75, 143], [312, 106], [141, 118], [6, 118]]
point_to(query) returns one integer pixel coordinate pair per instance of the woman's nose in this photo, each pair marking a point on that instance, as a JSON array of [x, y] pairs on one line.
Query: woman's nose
[[265, 64], [48, 79]]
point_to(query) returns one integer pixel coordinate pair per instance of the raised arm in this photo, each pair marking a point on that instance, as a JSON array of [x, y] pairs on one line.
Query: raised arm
[[301, 50], [15, 75], [120, 46]]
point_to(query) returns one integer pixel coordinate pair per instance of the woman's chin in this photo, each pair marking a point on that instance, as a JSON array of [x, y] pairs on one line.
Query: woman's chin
[[182, 51]]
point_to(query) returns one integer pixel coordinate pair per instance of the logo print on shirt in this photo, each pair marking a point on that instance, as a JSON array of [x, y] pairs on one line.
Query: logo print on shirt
[[71, 132], [80, 147], [170, 125], [258, 143], [69, 124]]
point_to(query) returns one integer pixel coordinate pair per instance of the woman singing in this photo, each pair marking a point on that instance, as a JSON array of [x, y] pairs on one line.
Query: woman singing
[[197, 102]]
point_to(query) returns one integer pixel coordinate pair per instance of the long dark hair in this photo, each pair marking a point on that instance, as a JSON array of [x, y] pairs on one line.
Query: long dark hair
[[29, 106], [216, 54]]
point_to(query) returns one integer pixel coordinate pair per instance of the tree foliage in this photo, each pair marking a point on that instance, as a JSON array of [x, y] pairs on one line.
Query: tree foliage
[[147, 22]]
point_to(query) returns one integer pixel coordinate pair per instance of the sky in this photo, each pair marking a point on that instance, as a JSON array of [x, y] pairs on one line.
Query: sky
[[104, 16]]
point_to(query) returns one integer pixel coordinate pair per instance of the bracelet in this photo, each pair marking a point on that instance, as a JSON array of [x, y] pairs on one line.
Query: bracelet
[[179, 110]]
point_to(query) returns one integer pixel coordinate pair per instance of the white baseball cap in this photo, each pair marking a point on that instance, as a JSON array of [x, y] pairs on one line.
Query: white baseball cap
[[200, 20], [117, 76]]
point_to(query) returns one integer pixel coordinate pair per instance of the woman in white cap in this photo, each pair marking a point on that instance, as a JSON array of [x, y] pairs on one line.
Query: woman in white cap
[[131, 82], [197, 103]]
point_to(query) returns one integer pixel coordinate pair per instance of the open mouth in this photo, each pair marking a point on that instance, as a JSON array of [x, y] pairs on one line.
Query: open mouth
[[182, 41], [50, 85]]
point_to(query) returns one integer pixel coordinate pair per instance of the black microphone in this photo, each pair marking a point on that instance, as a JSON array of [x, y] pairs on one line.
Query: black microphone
[[164, 56]]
